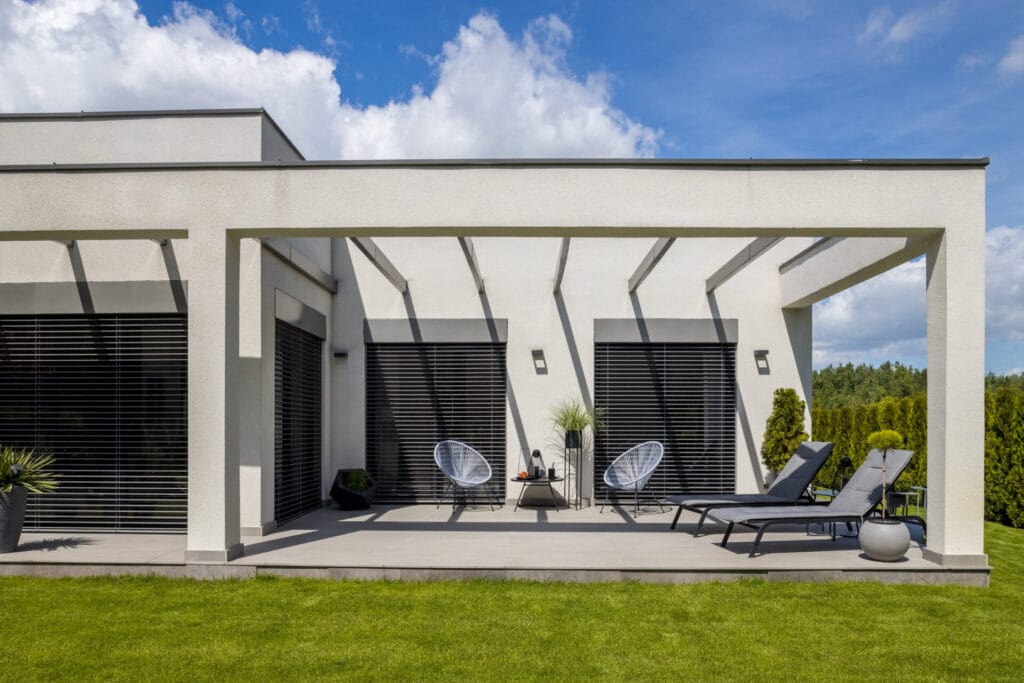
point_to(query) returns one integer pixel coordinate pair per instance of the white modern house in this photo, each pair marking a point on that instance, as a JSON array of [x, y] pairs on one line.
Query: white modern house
[[204, 327]]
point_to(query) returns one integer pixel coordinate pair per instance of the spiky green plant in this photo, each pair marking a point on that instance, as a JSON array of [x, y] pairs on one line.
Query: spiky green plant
[[884, 440], [569, 415], [23, 467]]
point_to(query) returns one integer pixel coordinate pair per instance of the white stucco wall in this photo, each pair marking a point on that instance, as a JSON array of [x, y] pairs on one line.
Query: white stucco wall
[[518, 276]]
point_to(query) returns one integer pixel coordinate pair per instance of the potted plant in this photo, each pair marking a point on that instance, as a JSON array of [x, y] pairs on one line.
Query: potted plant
[[22, 471], [353, 489], [571, 419], [883, 538]]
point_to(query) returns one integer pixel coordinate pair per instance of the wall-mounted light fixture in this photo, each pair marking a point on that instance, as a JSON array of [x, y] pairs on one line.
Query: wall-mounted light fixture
[[540, 364], [341, 354], [761, 360]]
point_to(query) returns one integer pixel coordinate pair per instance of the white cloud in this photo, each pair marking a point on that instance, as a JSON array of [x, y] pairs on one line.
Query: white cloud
[[1004, 283], [494, 95], [498, 97], [886, 30], [881, 319], [1013, 61]]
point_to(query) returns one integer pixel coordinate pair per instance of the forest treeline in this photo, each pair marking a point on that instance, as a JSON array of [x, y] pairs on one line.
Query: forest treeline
[[850, 402]]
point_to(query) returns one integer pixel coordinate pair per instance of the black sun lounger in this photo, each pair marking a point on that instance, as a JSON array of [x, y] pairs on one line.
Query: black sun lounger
[[787, 489], [857, 499]]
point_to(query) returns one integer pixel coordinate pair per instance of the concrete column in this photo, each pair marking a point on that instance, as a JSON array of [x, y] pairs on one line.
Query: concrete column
[[956, 396], [213, 494]]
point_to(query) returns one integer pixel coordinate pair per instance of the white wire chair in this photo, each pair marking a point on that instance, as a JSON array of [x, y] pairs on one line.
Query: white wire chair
[[464, 468], [632, 470]]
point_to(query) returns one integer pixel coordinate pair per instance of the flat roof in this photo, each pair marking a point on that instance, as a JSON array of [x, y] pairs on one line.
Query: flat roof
[[979, 162], [150, 114]]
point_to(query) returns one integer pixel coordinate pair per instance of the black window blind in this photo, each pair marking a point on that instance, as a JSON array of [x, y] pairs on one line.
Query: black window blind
[[419, 394], [107, 395], [683, 395], [297, 422]]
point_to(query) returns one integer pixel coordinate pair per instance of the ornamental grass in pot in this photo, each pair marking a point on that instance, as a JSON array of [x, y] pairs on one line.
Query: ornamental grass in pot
[[22, 471], [883, 538]]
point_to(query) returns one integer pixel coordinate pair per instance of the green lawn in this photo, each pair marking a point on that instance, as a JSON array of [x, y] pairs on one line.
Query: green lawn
[[286, 629]]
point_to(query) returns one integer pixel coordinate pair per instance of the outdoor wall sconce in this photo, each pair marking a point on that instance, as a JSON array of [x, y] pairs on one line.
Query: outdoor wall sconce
[[540, 364], [761, 360], [341, 354]]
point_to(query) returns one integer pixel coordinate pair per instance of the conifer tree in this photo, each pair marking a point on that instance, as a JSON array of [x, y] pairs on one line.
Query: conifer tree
[[784, 430]]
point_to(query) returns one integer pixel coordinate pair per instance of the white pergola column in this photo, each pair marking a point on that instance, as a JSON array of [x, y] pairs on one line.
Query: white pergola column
[[956, 396], [213, 490]]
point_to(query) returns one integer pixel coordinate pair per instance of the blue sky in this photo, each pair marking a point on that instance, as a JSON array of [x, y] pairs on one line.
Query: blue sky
[[758, 78]]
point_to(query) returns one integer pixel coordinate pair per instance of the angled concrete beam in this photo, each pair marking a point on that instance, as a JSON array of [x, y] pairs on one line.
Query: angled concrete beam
[[816, 248], [299, 262], [843, 264], [563, 256], [741, 260], [474, 267], [650, 261], [381, 262]]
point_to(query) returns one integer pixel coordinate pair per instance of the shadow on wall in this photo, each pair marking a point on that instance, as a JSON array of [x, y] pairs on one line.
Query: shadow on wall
[[753, 452]]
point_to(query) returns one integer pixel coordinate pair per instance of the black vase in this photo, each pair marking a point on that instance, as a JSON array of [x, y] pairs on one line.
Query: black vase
[[12, 517], [573, 438], [350, 499]]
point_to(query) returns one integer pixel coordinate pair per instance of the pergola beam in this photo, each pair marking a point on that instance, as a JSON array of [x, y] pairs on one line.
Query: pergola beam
[[836, 265], [474, 267], [381, 262], [650, 261], [740, 261], [563, 256]]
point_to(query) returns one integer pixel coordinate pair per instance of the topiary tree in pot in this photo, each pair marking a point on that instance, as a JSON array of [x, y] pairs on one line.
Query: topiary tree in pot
[[22, 471], [884, 539], [784, 430]]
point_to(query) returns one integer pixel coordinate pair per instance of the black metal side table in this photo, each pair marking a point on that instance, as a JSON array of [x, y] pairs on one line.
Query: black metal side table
[[539, 481], [573, 456]]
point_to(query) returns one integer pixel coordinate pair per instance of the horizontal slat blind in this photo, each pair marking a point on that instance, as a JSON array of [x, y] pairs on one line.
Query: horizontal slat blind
[[108, 396], [297, 422], [419, 394], [682, 395]]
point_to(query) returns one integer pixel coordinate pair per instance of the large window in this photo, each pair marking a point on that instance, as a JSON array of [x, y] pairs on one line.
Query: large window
[[418, 394], [297, 422], [107, 395], [683, 395]]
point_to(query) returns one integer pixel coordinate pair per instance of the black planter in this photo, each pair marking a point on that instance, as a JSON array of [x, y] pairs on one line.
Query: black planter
[[574, 439], [350, 499], [12, 517]]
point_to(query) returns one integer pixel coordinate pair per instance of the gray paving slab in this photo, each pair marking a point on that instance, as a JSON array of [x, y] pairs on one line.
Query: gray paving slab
[[421, 542]]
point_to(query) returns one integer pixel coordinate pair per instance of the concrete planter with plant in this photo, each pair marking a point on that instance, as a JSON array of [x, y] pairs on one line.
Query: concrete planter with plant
[[353, 489], [883, 538], [22, 471]]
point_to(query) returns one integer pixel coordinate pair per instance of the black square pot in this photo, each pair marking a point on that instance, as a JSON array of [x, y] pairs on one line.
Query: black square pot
[[348, 499]]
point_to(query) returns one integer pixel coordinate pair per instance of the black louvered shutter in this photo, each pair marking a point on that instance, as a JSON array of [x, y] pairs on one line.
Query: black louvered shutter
[[297, 422], [683, 395], [419, 394], [107, 395]]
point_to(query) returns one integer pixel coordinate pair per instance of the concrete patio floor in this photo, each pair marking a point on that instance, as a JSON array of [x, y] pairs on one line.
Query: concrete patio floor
[[419, 542]]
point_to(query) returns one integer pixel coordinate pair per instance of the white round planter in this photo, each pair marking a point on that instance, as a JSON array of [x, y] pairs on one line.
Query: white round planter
[[884, 540]]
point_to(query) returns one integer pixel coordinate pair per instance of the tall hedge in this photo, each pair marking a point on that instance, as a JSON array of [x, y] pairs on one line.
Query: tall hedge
[[849, 426], [784, 430]]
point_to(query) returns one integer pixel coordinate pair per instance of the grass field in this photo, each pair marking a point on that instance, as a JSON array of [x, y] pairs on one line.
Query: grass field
[[285, 629]]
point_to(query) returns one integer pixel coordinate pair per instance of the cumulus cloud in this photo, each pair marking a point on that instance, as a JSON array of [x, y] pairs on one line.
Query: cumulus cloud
[[498, 97], [878, 320], [884, 318], [1013, 61], [494, 95]]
